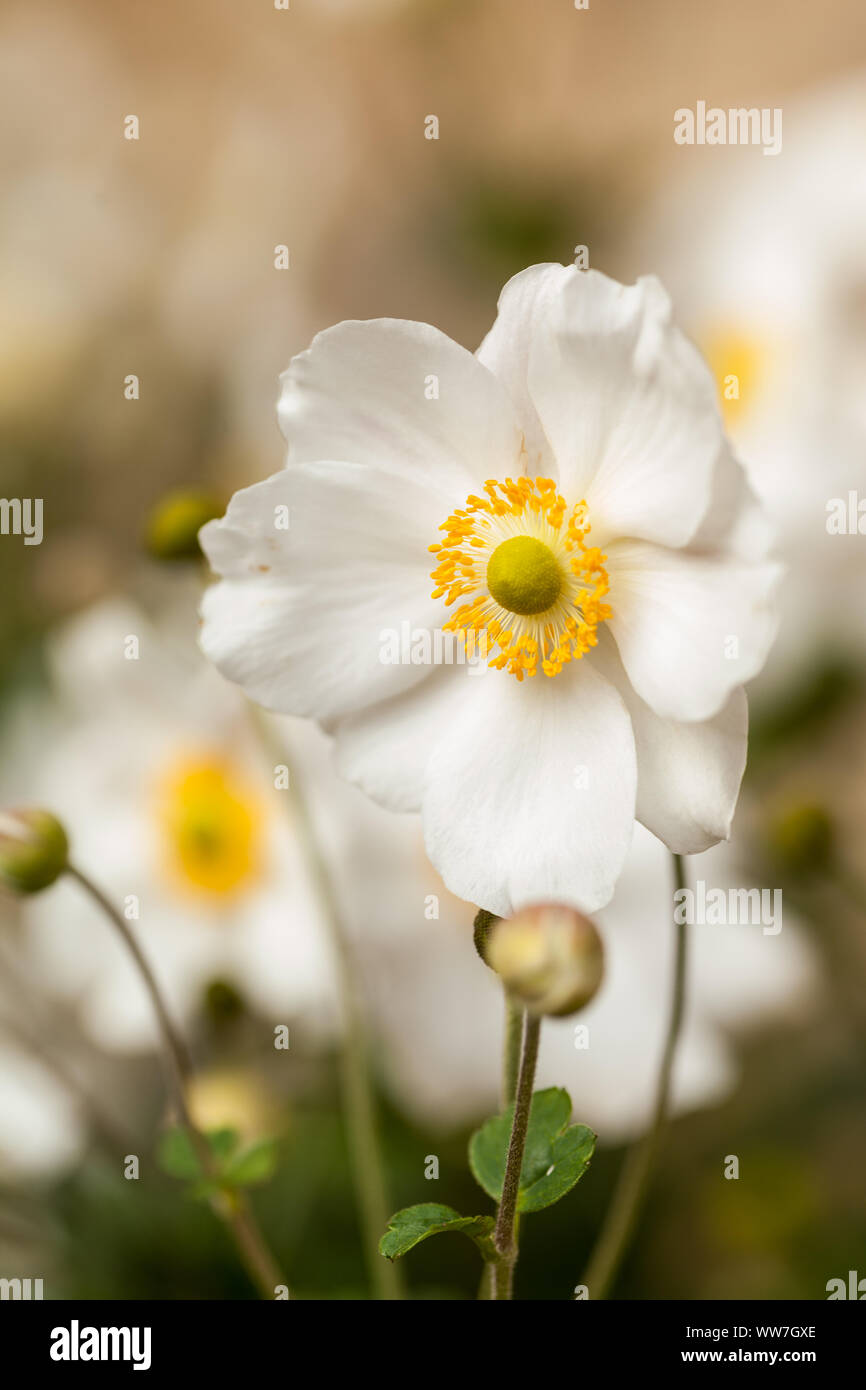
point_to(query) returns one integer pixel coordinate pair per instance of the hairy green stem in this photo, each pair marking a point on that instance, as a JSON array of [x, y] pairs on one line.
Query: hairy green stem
[[505, 1232], [627, 1202], [511, 1050]]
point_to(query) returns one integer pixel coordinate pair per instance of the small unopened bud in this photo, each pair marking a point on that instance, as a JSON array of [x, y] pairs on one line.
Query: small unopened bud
[[550, 958], [222, 1002], [171, 532], [34, 850], [802, 839], [232, 1097]]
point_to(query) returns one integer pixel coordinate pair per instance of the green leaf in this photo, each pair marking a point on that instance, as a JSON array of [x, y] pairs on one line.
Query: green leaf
[[488, 1147], [410, 1226], [554, 1159], [177, 1156], [223, 1143], [257, 1164], [572, 1153]]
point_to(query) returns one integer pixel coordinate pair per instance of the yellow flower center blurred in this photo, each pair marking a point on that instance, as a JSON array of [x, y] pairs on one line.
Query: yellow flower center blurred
[[211, 826], [738, 361]]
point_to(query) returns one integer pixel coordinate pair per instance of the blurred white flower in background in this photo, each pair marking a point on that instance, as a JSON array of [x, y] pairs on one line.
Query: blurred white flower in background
[[100, 746], [440, 1009], [42, 1130], [766, 263], [170, 807]]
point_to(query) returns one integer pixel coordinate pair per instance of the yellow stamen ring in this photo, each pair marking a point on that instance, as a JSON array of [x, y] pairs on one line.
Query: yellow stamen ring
[[535, 588]]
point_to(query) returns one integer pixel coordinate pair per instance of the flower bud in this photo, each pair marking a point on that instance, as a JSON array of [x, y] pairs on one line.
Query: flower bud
[[34, 849], [550, 958], [171, 532], [236, 1098], [222, 1003], [802, 839]]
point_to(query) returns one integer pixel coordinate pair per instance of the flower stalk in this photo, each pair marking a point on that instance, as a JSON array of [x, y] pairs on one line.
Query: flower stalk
[[359, 1103], [625, 1208], [232, 1207], [511, 1050], [505, 1232]]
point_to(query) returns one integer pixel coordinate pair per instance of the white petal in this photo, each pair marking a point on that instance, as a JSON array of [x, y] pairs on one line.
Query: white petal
[[688, 775], [530, 792], [689, 628], [299, 618], [735, 521], [524, 304], [385, 748], [360, 393], [627, 403]]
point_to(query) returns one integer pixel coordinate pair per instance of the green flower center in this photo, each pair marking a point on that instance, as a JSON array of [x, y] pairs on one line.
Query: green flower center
[[523, 576]]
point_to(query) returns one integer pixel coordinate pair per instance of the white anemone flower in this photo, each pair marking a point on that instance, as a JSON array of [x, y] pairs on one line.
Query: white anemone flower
[[589, 529]]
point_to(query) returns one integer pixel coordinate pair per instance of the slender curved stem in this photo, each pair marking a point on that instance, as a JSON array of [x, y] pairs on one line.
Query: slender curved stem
[[231, 1207], [627, 1202], [505, 1232], [359, 1100]]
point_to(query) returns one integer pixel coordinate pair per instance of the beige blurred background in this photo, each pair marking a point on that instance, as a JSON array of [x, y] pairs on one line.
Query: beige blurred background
[[305, 127]]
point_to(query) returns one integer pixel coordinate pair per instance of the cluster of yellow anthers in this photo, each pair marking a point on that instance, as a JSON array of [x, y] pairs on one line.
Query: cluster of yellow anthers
[[537, 589]]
